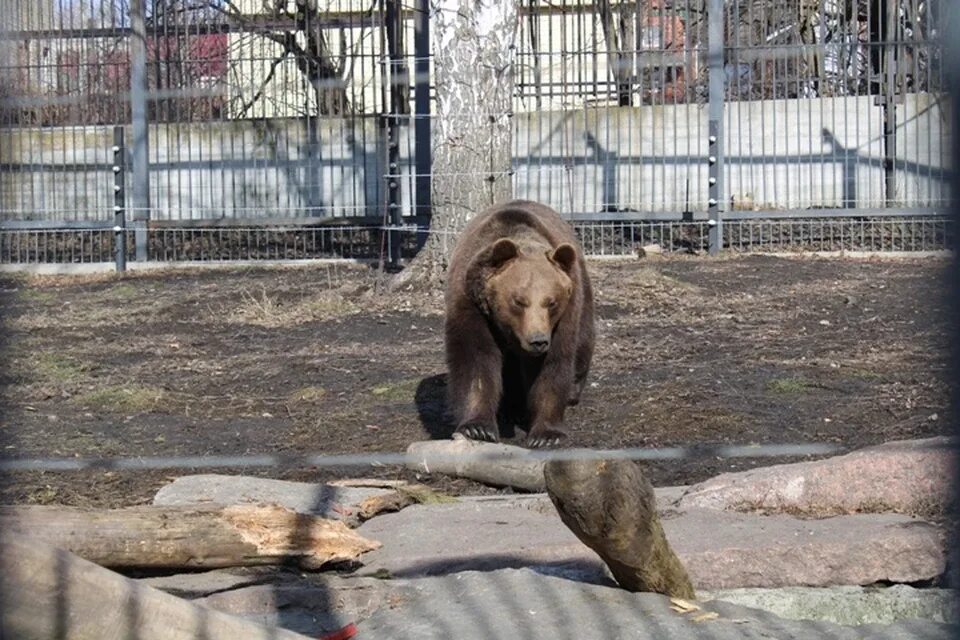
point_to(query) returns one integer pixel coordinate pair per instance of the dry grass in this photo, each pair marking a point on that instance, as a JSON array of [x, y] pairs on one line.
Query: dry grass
[[306, 395], [399, 391], [276, 310], [61, 370], [121, 399]]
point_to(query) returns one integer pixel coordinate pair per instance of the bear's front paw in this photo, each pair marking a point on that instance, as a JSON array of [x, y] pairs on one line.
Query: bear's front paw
[[545, 437], [479, 431]]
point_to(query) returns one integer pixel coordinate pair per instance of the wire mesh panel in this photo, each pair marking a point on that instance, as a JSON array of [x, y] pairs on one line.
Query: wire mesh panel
[[610, 107], [888, 234], [55, 246], [63, 81], [834, 105], [275, 111], [368, 243], [254, 112]]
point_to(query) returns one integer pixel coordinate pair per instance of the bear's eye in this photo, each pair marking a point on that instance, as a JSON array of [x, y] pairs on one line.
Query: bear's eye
[[520, 302], [550, 303]]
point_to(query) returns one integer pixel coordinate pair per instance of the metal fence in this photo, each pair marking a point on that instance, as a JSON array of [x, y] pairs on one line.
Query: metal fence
[[251, 130]]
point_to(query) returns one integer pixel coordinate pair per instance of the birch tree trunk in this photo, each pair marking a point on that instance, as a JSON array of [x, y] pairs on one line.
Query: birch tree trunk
[[473, 57]]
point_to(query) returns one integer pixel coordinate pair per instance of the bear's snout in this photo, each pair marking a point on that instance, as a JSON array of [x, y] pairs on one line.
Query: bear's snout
[[538, 343]]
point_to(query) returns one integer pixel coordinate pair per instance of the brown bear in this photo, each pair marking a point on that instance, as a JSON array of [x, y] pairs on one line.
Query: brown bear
[[519, 322]]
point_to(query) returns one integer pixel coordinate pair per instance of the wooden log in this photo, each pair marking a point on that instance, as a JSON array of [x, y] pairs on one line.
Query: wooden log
[[368, 483], [610, 506], [183, 537], [403, 497], [52, 593], [500, 465]]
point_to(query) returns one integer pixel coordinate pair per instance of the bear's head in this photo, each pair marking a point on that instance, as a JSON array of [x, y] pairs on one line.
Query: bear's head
[[527, 292]]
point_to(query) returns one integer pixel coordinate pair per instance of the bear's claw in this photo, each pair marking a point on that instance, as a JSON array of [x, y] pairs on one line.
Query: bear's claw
[[545, 438], [479, 431]]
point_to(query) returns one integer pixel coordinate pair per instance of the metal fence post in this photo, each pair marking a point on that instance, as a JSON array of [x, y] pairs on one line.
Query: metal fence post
[[715, 123], [422, 142], [399, 83], [138, 116], [889, 99], [119, 200]]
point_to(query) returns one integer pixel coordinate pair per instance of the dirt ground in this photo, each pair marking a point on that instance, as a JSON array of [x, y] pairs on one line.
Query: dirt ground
[[691, 351]]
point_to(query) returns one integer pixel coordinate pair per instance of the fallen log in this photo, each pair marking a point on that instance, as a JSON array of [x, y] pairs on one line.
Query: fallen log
[[183, 537], [52, 593], [610, 506], [500, 465], [368, 483]]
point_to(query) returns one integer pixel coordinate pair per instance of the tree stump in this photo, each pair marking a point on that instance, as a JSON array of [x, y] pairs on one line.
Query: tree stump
[[610, 506]]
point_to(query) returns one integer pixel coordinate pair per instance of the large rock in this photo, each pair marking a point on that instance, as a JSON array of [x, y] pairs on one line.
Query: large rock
[[719, 549], [334, 502], [911, 476], [312, 608], [52, 593], [205, 583], [482, 533], [527, 604], [312, 604], [726, 549], [848, 605]]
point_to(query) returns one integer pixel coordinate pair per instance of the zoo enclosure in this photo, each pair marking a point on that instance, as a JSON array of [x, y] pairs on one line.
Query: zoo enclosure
[[222, 130]]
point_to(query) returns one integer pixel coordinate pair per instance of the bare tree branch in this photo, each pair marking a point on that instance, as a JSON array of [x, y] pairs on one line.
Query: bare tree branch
[[247, 105]]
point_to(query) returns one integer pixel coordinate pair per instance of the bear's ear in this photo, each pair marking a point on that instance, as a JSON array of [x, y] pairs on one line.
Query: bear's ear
[[564, 256], [500, 252]]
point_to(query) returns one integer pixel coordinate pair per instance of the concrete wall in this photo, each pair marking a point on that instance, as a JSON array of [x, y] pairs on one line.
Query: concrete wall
[[779, 154], [794, 154], [273, 168]]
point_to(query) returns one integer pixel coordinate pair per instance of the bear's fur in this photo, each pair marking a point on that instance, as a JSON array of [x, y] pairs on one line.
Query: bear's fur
[[519, 322]]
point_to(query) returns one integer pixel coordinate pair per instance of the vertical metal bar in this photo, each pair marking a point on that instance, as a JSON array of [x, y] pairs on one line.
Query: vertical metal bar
[[889, 102], [423, 163], [138, 114], [119, 200], [715, 127], [398, 80]]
